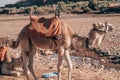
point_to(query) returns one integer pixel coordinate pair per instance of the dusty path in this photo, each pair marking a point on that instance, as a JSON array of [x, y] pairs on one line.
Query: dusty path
[[86, 70]]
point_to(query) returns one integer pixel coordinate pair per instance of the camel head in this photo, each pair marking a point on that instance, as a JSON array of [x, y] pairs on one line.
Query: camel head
[[105, 27]]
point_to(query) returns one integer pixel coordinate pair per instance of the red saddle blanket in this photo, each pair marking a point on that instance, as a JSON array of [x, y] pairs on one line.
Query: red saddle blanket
[[2, 53], [45, 27]]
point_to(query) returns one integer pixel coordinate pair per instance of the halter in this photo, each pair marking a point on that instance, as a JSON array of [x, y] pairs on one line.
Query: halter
[[106, 30]]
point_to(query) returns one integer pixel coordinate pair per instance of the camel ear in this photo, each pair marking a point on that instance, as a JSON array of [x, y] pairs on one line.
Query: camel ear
[[31, 14], [95, 26], [57, 13]]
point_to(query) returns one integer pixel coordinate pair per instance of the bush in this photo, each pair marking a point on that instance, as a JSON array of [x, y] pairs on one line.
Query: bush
[[102, 7], [24, 10], [86, 9], [39, 11], [4, 11], [8, 10], [93, 4], [62, 6]]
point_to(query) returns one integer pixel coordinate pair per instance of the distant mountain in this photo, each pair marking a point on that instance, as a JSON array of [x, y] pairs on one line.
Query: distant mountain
[[5, 2]]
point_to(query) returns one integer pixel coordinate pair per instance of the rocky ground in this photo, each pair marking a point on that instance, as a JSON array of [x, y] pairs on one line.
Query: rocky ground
[[89, 69]]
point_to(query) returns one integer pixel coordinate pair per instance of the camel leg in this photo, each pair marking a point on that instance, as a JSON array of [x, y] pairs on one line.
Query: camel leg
[[92, 44], [6, 71], [25, 61], [30, 64], [99, 41], [69, 63], [60, 59]]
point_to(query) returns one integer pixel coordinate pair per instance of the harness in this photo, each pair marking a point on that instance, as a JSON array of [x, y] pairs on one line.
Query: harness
[[106, 30], [53, 41], [87, 42], [57, 39]]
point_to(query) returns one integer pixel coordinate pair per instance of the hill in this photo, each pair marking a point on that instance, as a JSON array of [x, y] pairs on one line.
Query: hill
[[65, 6]]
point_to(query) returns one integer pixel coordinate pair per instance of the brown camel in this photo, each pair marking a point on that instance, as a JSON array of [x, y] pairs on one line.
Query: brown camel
[[45, 33]]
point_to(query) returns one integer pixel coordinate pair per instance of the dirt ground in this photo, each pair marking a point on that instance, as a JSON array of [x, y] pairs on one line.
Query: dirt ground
[[90, 69]]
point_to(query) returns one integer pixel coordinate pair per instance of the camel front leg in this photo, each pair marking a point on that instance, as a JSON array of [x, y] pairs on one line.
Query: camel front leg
[[25, 61], [69, 63], [30, 63], [60, 59]]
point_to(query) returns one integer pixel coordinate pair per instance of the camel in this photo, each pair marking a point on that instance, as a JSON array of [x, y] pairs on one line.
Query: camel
[[10, 62], [94, 38], [46, 33], [56, 38]]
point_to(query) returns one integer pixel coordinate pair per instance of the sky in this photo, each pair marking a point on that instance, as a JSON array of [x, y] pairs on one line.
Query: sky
[[4, 2]]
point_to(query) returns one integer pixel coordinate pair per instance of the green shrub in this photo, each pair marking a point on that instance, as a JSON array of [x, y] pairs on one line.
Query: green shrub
[[4, 11], [24, 10], [86, 9], [62, 6], [8, 10], [103, 7], [93, 4]]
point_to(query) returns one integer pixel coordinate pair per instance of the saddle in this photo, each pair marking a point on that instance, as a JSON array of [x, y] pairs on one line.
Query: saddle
[[45, 27], [3, 53], [3, 48]]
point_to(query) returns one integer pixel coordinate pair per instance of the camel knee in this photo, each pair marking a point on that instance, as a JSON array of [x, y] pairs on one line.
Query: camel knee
[[59, 68]]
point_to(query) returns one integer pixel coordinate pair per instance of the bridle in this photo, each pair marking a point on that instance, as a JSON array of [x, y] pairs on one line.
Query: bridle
[[106, 30]]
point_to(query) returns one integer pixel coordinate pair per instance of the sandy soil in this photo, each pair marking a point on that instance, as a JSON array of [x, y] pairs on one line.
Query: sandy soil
[[88, 70]]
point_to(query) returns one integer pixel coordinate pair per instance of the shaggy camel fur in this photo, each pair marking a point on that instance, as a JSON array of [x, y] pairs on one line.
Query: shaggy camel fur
[[52, 38], [10, 62]]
